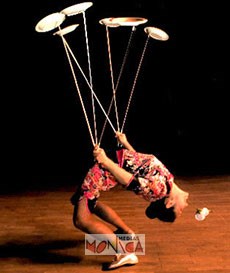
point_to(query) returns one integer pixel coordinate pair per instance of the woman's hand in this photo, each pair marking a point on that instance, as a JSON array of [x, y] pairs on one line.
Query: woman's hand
[[121, 137], [100, 155]]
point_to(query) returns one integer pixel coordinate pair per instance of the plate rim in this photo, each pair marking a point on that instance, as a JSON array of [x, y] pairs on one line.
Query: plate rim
[[72, 27], [139, 21], [69, 13], [156, 37], [55, 22]]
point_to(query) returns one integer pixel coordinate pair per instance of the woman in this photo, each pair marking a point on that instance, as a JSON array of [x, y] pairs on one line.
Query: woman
[[141, 173]]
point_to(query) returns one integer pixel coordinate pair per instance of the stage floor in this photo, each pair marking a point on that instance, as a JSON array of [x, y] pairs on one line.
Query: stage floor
[[37, 234]]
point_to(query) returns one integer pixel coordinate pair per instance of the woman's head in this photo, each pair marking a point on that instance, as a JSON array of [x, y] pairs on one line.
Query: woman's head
[[178, 199], [168, 208], [158, 210]]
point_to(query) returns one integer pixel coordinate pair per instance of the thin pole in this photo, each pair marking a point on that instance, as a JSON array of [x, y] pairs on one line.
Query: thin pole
[[134, 83], [95, 96], [90, 77], [78, 90], [119, 77]]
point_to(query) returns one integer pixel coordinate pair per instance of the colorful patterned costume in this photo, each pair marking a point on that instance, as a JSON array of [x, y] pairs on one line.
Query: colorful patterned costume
[[151, 179]]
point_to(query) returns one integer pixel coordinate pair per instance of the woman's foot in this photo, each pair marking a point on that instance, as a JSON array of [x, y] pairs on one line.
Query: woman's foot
[[123, 260]]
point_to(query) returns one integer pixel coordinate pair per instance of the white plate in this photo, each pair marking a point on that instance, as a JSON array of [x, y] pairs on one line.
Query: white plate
[[128, 21], [108, 22], [50, 22], [76, 9], [66, 30], [156, 33]]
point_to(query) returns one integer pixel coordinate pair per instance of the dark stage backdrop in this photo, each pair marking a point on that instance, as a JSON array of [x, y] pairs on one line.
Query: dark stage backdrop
[[180, 107]]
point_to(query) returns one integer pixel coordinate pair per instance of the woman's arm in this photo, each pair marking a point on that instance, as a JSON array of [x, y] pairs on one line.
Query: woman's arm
[[121, 175], [122, 139]]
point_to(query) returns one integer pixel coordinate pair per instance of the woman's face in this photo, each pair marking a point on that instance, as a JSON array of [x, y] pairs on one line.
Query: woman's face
[[177, 199], [181, 203]]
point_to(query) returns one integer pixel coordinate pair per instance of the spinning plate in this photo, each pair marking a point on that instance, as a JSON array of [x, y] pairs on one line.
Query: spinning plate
[[156, 33], [128, 21], [108, 22], [66, 30], [76, 9], [50, 22]]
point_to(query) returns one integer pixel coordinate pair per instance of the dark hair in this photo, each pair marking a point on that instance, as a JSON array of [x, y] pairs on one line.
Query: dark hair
[[158, 210]]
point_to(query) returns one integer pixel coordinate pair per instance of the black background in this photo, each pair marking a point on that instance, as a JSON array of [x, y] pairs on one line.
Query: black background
[[179, 110]]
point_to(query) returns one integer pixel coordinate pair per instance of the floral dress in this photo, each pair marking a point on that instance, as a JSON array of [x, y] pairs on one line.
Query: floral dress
[[153, 179]]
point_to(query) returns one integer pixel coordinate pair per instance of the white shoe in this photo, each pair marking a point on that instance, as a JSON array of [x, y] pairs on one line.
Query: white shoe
[[120, 260]]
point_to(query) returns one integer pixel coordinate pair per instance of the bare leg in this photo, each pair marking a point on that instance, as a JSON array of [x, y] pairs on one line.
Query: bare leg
[[110, 216], [86, 221]]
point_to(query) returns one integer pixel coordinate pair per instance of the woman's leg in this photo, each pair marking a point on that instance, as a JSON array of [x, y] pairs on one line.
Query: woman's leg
[[86, 221], [109, 215]]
